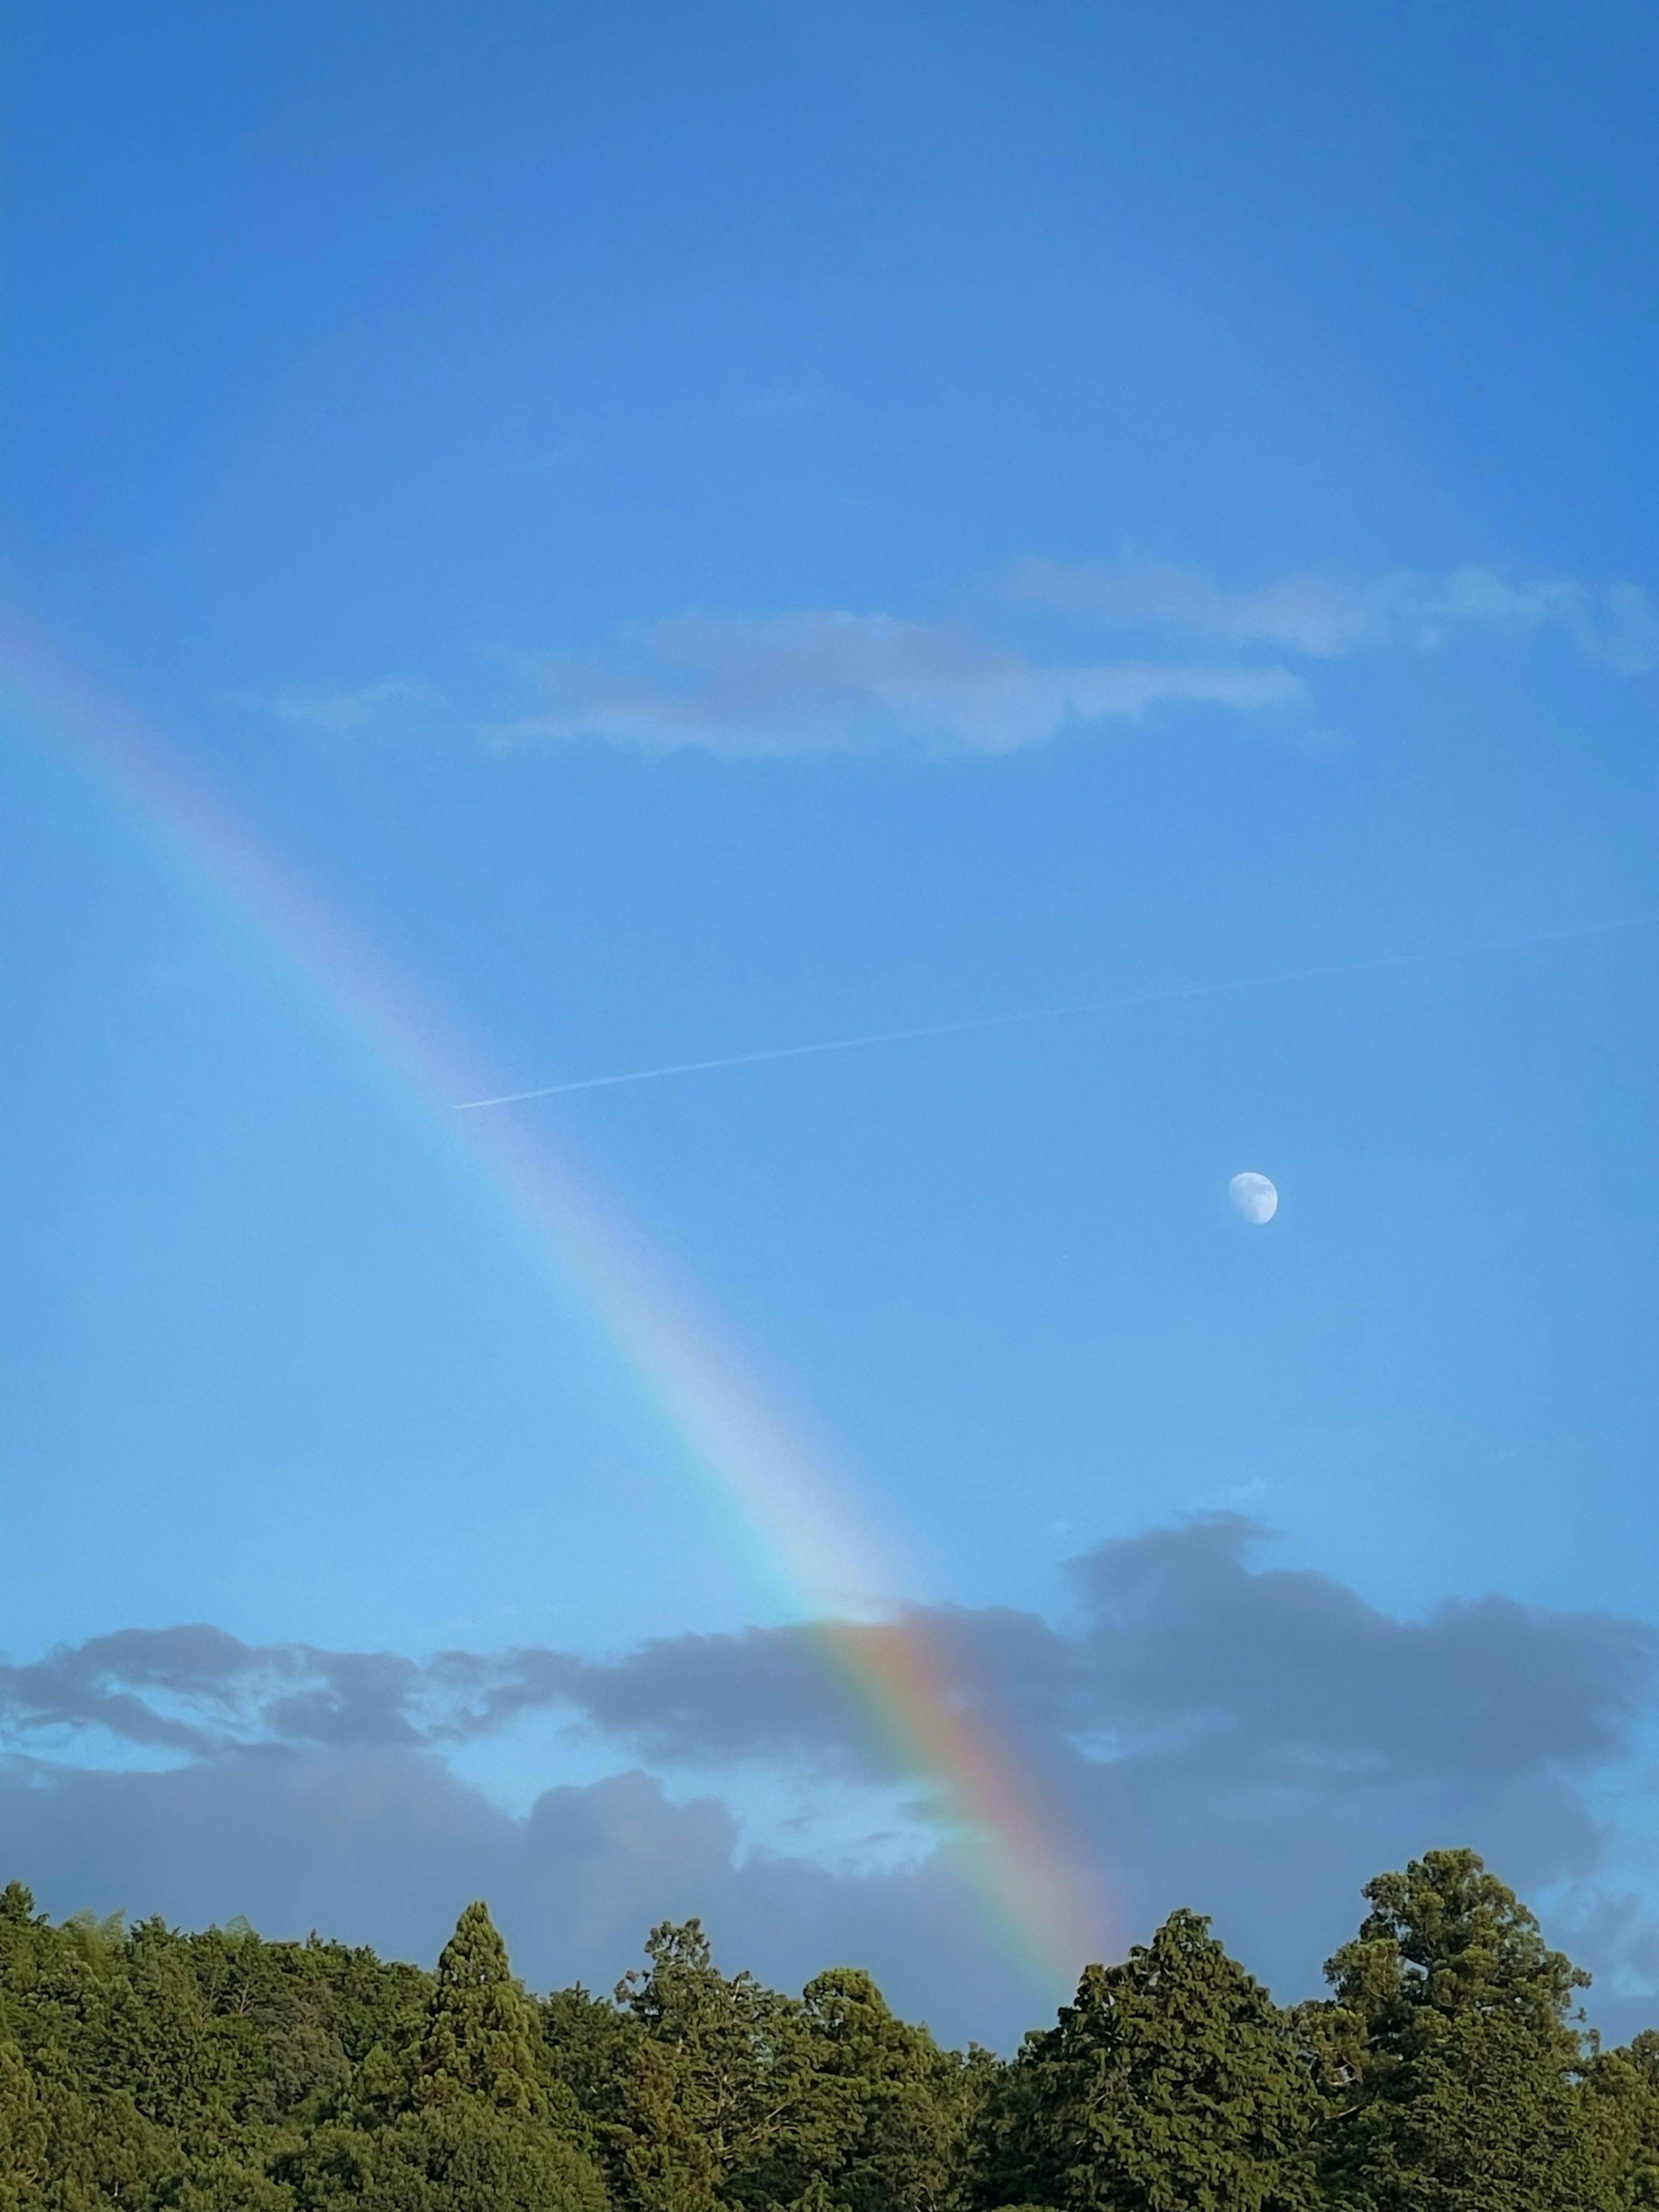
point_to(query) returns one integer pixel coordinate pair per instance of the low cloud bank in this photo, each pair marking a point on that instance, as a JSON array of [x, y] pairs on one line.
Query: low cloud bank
[[1254, 1742]]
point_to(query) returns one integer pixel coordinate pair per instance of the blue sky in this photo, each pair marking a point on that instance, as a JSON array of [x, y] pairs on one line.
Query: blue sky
[[700, 529]]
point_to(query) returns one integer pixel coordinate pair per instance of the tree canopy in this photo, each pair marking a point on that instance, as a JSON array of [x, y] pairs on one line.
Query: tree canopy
[[1466, 2084], [215, 2071], [1172, 2084]]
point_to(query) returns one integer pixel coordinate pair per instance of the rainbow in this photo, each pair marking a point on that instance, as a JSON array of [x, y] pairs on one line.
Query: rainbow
[[1035, 1900]]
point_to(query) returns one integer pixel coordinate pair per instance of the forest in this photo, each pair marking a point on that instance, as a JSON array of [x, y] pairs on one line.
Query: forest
[[1448, 2067]]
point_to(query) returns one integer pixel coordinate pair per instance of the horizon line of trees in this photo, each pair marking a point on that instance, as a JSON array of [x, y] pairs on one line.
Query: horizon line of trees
[[1449, 2067]]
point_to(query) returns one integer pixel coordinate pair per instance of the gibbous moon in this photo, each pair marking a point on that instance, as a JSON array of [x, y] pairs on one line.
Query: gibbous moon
[[1254, 1197]]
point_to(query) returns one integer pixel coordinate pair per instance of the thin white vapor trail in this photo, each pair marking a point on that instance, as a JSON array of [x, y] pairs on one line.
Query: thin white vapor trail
[[1053, 1013]]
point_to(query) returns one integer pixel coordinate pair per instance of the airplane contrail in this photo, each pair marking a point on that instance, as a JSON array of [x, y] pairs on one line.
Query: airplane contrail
[[1049, 1013]]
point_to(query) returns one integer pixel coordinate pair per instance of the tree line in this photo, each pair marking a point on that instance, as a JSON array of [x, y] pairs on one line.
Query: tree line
[[1449, 2067]]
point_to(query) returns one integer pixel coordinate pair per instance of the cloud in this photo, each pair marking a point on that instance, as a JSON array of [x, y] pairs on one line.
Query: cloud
[[196, 1690], [386, 1847], [797, 686], [1254, 1741], [1617, 628], [345, 714], [820, 682]]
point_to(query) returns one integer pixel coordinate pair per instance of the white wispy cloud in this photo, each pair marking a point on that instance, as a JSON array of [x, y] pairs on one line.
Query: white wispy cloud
[[1616, 626], [817, 683], [343, 714], [794, 686]]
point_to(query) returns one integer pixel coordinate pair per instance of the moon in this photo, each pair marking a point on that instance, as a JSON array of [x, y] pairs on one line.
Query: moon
[[1254, 1197]]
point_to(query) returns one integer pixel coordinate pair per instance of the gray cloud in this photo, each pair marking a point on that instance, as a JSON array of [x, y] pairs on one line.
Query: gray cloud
[[1254, 1741], [385, 1847], [1617, 626], [195, 1689], [798, 685], [1489, 1685]]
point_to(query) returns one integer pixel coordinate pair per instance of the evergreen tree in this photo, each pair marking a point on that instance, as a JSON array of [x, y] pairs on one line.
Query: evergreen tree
[[463, 2122], [23, 2146], [1171, 2084], [707, 2085], [871, 2113], [482, 2032], [157, 2071], [463, 2156], [1623, 2111], [1462, 2089]]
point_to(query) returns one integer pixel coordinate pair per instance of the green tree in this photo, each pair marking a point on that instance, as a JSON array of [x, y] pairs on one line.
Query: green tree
[[22, 2134], [1173, 2084], [905, 2100], [457, 2116], [1462, 2091], [213, 2072], [481, 2034], [871, 2113], [1623, 2111], [710, 2084], [462, 2155]]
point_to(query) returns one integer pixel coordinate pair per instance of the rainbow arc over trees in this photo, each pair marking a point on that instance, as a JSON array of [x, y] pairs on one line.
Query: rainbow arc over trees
[[584, 1251]]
